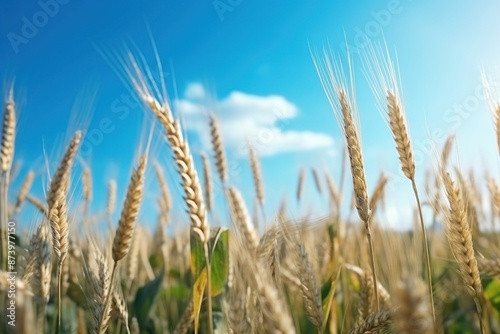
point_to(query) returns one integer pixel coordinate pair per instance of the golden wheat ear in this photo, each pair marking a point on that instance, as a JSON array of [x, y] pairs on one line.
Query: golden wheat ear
[[218, 148], [459, 235], [300, 185], [207, 181], [25, 188], [130, 211], [242, 220], [257, 176], [8, 134]]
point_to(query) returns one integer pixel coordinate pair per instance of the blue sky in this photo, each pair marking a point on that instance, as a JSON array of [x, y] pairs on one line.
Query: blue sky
[[249, 62]]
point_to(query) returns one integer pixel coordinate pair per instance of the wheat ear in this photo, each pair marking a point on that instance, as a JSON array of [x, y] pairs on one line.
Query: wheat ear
[[126, 225], [57, 209], [496, 116], [58, 216], [87, 187], [218, 147], [378, 193], [6, 156], [242, 220], [98, 279], [333, 190], [373, 323], [397, 123], [300, 184], [186, 320], [366, 296], [207, 181], [8, 134], [60, 180], [165, 192], [358, 177], [257, 176], [111, 202], [310, 293], [43, 268], [460, 239], [445, 154], [317, 182], [184, 160], [193, 194], [25, 188], [489, 267]]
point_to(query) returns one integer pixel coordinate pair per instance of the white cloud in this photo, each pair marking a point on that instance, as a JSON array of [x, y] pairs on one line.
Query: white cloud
[[262, 121], [195, 91]]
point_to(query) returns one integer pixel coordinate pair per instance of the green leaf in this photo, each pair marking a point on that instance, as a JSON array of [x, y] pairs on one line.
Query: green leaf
[[197, 257], [219, 268], [327, 298], [178, 292], [145, 298], [219, 262], [492, 293], [198, 292]]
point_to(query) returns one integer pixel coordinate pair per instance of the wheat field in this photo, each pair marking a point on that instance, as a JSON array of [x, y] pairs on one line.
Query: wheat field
[[78, 271]]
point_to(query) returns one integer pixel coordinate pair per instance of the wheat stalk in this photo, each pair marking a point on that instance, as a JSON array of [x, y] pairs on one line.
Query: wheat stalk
[[126, 227], [384, 83], [185, 165]]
